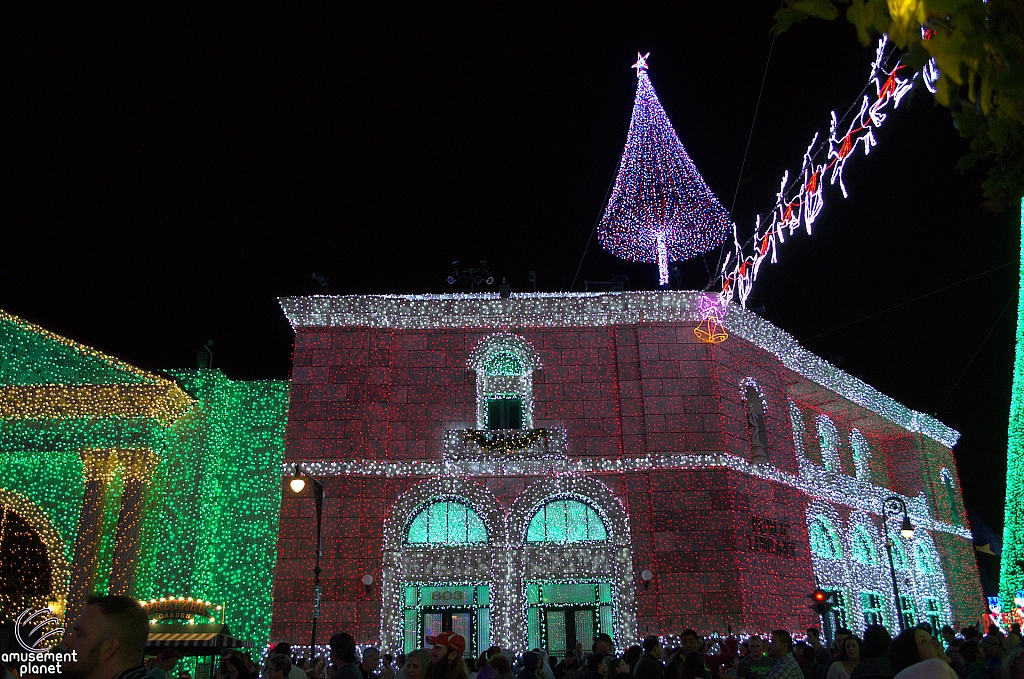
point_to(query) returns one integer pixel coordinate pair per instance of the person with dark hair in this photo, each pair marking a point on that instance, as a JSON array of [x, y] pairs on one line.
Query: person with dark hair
[[487, 672], [755, 664], [387, 668], [650, 665], [109, 640], [822, 656], [781, 651], [632, 656], [914, 654], [343, 656], [1013, 663], [531, 665], [370, 662], [874, 661], [807, 657], [973, 667], [569, 664], [991, 646], [502, 667], [278, 666], [689, 641], [969, 633], [694, 666], [847, 660], [446, 657], [165, 663]]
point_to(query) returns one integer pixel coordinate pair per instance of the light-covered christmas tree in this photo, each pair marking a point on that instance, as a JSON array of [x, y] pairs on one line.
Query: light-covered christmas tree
[[660, 209]]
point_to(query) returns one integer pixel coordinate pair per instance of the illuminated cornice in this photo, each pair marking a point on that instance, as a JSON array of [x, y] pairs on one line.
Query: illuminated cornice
[[165, 402], [487, 311]]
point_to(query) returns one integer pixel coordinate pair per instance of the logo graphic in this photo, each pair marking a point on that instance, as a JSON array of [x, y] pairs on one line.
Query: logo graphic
[[38, 619]]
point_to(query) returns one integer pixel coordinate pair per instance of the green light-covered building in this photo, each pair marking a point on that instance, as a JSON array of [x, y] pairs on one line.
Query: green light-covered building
[[117, 480], [1012, 566]]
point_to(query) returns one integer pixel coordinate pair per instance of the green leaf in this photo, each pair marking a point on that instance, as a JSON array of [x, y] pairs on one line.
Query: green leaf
[[821, 9], [786, 18]]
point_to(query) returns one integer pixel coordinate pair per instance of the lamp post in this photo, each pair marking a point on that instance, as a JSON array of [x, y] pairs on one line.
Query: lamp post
[[907, 531], [298, 484]]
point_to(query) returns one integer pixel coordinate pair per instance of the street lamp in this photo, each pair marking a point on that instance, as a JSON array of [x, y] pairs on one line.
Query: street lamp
[[298, 484], [907, 531]]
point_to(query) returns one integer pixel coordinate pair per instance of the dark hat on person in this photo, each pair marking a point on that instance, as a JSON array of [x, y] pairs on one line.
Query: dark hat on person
[[604, 637], [170, 653]]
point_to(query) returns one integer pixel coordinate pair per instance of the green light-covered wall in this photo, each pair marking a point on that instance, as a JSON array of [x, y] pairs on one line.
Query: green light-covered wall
[[1012, 567], [223, 522], [212, 499]]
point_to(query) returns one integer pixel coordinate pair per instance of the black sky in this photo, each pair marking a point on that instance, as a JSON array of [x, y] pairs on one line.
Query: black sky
[[168, 173]]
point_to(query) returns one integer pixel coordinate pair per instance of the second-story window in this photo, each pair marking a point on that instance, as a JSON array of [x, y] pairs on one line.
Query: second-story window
[[504, 366]]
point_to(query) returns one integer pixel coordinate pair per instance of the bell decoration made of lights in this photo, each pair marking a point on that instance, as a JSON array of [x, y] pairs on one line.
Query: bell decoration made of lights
[[710, 328], [660, 208]]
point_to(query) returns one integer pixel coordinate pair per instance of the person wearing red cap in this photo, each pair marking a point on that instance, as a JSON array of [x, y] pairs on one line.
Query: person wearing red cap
[[446, 656]]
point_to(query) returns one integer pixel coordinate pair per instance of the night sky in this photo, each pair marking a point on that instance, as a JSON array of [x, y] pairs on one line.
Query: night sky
[[167, 176]]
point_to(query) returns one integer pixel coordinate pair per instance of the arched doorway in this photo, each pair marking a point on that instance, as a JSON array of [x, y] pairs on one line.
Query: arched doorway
[[34, 570], [572, 565], [443, 565]]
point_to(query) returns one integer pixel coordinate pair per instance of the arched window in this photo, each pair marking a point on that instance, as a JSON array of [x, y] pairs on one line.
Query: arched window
[[863, 547], [446, 522], [824, 540], [861, 455], [828, 438], [504, 366], [923, 561], [30, 572], [754, 405], [566, 520]]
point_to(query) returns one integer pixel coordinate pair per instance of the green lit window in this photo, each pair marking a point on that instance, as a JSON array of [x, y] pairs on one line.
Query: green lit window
[[863, 547], [923, 560], [505, 363], [839, 609], [566, 521], [908, 610], [871, 606], [931, 611], [824, 541], [447, 522]]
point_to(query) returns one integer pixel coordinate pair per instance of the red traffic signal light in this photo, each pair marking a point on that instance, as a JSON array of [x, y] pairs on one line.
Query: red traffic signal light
[[821, 601]]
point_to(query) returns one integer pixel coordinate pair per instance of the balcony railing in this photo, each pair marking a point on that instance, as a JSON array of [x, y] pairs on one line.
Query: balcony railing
[[467, 445]]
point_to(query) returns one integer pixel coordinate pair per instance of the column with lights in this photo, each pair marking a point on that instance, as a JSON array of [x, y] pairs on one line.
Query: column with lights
[[97, 470], [137, 465]]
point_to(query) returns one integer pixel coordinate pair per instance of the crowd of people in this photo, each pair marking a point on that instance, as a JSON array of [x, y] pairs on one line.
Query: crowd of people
[[913, 654], [109, 641]]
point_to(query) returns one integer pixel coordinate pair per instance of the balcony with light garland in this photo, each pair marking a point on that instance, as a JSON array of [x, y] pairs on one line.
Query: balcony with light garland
[[545, 445]]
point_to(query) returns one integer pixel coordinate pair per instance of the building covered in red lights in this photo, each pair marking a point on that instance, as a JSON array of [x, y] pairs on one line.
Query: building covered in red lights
[[532, 471]]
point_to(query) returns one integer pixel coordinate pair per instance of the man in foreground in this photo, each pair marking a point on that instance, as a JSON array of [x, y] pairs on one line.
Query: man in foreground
[[109, 639], [781, 651], [754, 665]]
